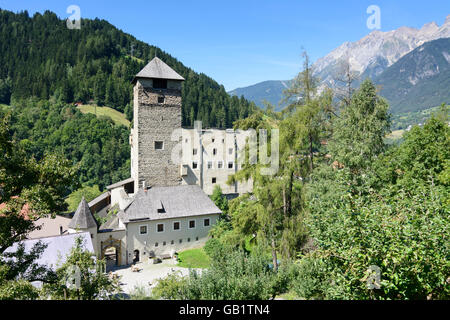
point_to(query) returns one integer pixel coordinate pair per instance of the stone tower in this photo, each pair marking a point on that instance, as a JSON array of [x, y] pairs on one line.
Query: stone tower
[[157, 113]]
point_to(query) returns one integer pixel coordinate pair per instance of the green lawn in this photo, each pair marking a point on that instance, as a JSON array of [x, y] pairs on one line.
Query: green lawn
[[116, 116], [193, 258]]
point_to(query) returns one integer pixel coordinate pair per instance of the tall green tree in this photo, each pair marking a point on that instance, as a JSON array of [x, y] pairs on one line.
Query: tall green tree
[[360, 129], [29, 190]]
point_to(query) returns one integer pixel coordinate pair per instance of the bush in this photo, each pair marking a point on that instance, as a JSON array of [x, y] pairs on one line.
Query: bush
[[233, 275], [212, 247]]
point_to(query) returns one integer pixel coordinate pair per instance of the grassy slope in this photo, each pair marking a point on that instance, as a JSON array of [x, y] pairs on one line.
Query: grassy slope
[[116, 116]]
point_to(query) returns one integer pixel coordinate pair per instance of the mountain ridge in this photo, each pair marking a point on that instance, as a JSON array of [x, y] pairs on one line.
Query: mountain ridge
[[367, 62]]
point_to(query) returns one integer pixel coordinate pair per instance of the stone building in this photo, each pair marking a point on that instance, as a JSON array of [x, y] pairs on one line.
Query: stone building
[[164, 206], [165, 154], [157, 222]]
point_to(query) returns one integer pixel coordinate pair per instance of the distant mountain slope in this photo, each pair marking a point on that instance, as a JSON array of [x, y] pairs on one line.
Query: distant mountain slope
[[377, 51], [271, 91], [420, 79], [41, 57], [370, 57]]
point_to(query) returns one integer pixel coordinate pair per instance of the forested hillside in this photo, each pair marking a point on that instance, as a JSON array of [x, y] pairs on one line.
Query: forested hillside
[[41, 57], [96, 147]]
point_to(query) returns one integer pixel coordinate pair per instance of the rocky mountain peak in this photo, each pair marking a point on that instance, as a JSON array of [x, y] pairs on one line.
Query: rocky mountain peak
[[379, 50]]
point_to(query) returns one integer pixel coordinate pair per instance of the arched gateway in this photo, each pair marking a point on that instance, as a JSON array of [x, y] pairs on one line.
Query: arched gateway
[[107, 245]]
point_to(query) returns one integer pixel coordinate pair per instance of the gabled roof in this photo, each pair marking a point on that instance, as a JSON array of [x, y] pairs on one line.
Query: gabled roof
[[177, 201], [120, 183], [83, 218], [157, 69]]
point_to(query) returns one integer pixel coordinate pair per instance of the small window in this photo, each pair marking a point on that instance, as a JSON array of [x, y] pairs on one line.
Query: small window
[[176, 226], [186, 140], [196, 238], [212, 140], [213, 180], [194, 165], [191, 224], [189, 239], [210, 164], [143, 229], [219, 164], [172, 242], [160, 227], [159, 145], [161, 99], [194, 151], [214, 151], [160, 83], [206, 222], [180, 241], [164, 243], [230, 165], [223, 140], [156, 244]]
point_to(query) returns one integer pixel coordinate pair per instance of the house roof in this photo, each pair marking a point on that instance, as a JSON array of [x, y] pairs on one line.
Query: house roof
[[58, 247], [159, 70], [100, 198], [168, 202], [83, 218], [49, 227], [111, 225], [120, 183]]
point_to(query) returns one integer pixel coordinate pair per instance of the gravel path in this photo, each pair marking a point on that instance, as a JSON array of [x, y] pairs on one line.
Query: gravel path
[[148, 275]]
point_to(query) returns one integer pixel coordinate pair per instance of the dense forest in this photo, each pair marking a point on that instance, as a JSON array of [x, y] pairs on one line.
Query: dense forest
[[97, 147], [41, 57]]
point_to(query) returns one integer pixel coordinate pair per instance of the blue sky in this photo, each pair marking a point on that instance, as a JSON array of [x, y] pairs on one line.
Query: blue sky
[[240, 43]]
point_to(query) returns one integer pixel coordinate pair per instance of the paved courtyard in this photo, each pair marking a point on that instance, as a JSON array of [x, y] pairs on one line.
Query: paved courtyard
[[148, 274]]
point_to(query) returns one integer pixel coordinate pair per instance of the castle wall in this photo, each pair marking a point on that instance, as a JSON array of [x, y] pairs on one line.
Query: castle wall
[[168, 240], [155, 121], [217, 159]]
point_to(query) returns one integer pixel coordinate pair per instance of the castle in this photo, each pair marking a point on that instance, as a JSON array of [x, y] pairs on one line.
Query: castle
[[164, 206]]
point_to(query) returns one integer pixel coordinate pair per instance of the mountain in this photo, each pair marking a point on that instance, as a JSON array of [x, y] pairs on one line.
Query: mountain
[[41, 57], [420, 79], [369, 57], [377, 51], [271, 91]]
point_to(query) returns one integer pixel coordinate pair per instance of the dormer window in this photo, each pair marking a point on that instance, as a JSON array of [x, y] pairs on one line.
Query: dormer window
[[160, 83]]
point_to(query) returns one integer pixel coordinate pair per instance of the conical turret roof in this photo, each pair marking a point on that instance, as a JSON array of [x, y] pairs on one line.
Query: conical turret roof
[[83, 218]]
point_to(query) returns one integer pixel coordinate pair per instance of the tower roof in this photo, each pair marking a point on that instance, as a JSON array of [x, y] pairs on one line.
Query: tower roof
[[157, 69], [83, 218]]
